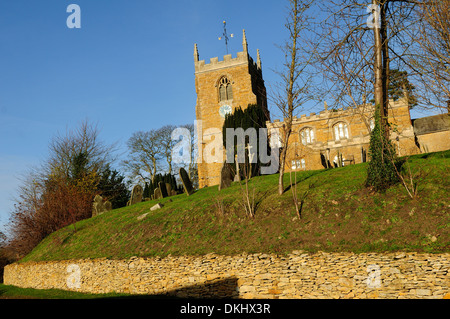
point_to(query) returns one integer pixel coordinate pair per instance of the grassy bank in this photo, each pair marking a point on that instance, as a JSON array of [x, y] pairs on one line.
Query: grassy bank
[[338, 214]]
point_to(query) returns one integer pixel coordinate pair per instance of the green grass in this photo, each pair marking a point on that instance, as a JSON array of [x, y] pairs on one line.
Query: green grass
[[338, 214]]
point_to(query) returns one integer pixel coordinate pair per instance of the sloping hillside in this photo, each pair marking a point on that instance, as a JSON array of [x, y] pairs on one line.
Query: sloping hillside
[[338, 214]]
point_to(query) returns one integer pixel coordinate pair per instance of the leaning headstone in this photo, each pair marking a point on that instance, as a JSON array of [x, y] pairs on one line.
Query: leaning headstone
[[187, 184], [226, 176], [157, 206], [163, 189], [136, 195], [99, 207], [141, 217]]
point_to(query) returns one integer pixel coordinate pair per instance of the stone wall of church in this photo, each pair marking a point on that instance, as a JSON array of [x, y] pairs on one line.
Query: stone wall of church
[[296, 275], [353, 148]]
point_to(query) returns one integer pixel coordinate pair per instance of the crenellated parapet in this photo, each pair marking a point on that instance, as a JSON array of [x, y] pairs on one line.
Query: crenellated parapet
[[331, 114], [228, 61]]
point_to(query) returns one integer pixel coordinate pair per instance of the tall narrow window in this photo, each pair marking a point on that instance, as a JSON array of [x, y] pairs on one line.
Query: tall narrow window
[[307, 136], [225, 89], [340, 131]]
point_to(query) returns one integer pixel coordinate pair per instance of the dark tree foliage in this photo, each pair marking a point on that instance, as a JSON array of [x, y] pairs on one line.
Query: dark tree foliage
[[112, 187], [108, 183], [399, 85], [78, 166], [253, 116]]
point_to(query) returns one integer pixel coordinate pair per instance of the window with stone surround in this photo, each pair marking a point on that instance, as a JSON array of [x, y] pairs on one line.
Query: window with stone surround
[[298, 164], [340, 130], [225, 89], [307, 136]]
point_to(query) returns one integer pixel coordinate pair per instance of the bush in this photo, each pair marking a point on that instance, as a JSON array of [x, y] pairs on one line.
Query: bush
[[62, 204]]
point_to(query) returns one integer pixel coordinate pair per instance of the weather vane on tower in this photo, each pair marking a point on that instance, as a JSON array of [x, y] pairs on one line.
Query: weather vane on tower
[[225, 35]]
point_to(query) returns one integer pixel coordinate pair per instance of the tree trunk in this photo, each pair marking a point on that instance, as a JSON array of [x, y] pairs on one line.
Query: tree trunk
[[381, 67], [287, 134], [385, 70], [378, 66]]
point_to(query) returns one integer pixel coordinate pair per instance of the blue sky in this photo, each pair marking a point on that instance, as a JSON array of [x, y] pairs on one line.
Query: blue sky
[[128, 68]]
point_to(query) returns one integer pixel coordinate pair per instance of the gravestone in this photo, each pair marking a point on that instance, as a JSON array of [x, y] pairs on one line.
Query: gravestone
[[169, 189], [141, 217], [157, 194], [157, 206], [226, 176], [136, 195], [99, 207], [187, 184], [163, 189], [237, 177]]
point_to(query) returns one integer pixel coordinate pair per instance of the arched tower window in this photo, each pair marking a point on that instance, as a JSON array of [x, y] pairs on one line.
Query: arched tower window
[[225, 89], [340, 131]]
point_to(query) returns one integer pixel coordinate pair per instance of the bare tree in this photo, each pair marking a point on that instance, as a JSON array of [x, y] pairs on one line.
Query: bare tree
[[192, 167], [166, 145], [293, 89], [348, 76], [431, 60], [360, 41], [145, 152]]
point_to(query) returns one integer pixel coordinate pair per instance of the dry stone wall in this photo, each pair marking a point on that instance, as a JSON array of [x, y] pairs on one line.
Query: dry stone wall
[[297, 275]]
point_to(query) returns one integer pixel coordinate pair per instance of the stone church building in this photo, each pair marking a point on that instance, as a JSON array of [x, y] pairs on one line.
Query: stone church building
[[329, 138]]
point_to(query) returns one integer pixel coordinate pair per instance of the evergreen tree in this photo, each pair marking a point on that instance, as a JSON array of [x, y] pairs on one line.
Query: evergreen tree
[[252, 116], [399, 86], [113, 187]]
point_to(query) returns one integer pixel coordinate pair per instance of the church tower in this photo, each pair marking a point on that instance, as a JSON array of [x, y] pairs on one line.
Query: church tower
[[223, 86]]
